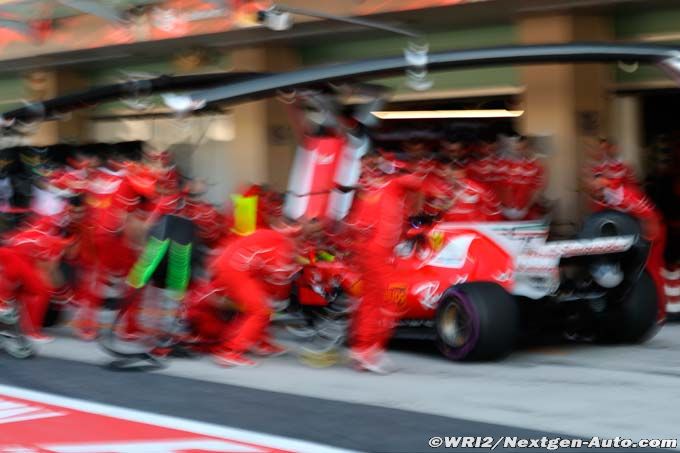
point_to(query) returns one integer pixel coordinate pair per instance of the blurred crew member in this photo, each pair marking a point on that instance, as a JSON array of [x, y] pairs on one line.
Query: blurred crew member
[[489, 167], [523, 183], [248, 271], [208, 220], [381, 219], [27, 261], [470, 200], [609, 164], [162, 163], [115, 244], [454, 150]]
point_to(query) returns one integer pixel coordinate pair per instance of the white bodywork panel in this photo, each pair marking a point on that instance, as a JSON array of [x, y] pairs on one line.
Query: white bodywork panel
[[536, 261]]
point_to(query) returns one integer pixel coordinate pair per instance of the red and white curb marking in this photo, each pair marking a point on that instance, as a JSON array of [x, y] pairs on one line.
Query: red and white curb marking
[[672, 289], [36, 422]]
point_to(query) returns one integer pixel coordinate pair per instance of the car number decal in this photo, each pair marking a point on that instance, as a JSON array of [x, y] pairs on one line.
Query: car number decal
[[396, 294]]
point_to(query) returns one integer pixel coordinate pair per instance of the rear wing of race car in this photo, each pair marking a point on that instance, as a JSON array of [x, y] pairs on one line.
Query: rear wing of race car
[[537, 268], [581, 247]]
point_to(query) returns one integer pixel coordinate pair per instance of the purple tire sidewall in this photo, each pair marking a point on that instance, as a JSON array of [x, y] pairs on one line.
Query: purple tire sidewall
[[470, 309]]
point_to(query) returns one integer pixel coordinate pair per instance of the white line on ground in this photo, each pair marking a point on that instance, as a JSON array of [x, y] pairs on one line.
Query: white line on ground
[[540, 388], [193, 426]]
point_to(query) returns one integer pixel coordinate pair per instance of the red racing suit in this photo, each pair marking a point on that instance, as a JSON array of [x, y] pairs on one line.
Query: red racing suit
[[614, 169], [111, 252], [209, 221], [631, 200], [522, 182], [472, 201], [23, 278], [380, 216], [246, 272], [488, 170]]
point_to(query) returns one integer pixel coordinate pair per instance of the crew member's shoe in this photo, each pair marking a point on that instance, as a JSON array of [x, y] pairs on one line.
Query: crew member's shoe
[[130, 336], [8, 313], [131, 330], [39, 338], [301, 331], [161, 353], [233, 359], [371, 359], [268, 349], [85, 324], [86, 333]]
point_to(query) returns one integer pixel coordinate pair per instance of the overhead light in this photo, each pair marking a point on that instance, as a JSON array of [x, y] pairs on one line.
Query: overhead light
[[181, 103], [434, 114]]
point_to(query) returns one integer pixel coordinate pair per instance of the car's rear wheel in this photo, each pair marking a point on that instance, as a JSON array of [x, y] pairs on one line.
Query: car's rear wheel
[[476, 321], [633, 319]]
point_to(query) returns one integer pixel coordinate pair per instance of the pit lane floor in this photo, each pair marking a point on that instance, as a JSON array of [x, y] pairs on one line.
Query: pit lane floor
[[577, 390]]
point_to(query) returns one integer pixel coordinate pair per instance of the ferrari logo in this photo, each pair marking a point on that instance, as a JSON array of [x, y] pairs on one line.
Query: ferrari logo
[[436, 240], [396, 294]]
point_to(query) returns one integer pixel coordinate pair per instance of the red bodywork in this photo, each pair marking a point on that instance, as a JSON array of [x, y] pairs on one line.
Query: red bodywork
[[437, 259]]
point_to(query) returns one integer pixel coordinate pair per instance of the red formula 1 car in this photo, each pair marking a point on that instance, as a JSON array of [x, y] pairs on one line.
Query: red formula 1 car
[[475, 288]]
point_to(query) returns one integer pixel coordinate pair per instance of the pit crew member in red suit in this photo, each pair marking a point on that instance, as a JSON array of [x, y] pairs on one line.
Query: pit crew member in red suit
[[380, 222], [162, 163], [607, 162], [27, 259], [115, 250], [469, 200], [524, 182], [489, 168], [187, 203], [248, 271], [208, 219]]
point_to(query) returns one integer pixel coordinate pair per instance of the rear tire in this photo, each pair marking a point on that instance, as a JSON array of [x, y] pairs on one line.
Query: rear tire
[[633, 319], [477, 321]]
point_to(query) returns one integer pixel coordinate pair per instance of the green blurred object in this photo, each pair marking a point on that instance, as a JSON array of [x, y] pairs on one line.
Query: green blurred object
[[325, 256], [167, 257], [148, 262]]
